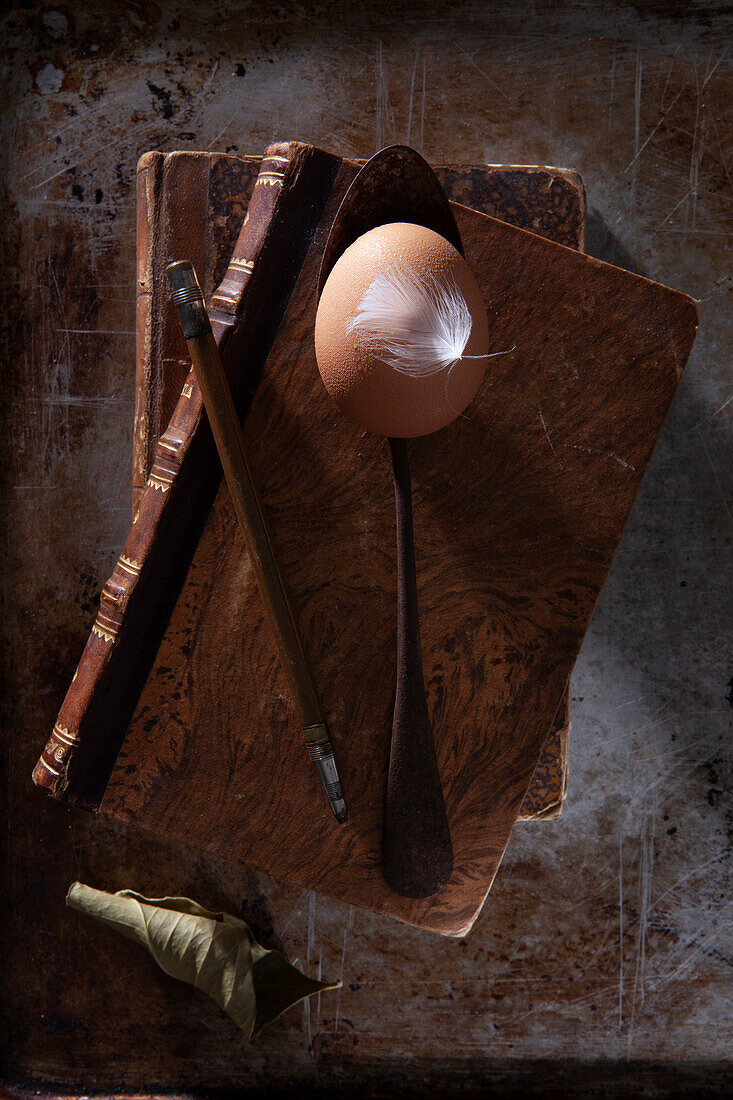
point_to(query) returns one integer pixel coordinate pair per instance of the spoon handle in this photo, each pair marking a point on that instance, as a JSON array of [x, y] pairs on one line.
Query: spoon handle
[[417, 855]]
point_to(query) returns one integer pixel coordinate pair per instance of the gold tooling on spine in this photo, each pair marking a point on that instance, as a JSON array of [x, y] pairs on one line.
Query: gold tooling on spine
[[160, 483], [172, 447], [129, 566], [64, 735], [107, 634]]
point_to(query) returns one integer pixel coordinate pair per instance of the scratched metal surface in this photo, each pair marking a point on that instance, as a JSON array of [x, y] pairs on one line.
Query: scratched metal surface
[[601, 962]]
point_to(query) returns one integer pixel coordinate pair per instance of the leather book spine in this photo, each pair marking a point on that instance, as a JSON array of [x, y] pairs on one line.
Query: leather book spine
[[83, 716], [230, 298], [148, 189]]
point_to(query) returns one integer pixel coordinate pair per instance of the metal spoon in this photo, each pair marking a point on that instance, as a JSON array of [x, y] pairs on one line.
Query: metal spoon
[[397, 185]]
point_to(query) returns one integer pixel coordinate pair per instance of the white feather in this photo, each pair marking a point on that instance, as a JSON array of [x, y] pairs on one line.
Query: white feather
[[417, 324]]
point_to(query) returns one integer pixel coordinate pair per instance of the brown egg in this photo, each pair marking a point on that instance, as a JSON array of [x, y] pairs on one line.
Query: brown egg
[[385, 396]]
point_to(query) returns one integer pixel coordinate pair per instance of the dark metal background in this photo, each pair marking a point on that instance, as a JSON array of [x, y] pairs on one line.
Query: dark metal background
[[601, 962]]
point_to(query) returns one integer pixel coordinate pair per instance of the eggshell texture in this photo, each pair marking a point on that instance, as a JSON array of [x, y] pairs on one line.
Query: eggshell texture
[[370, 391]]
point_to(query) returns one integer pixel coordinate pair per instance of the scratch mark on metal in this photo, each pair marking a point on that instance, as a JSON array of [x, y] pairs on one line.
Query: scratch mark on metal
[[637, 132], [223, 130], [380, 98], [397, 998], [311, 924], [689, 875], [422, 109], [669, 78], [295, 913], [629, 703], [412, 94], [723, 161], [613, 81], [665, 110], [715, 67], [319, 975], [672, 212], [71, 400], [696, 152], [620, 931], [610, 454], [621, 461], [646, 869], [309, 946], [717, 479], [544, 425], [87, 156], [641, 148], [469, 57], [704, 945], [347, 929]]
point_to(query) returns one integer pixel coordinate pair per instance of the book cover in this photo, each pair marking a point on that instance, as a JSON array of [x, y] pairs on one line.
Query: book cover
[[208, 193]]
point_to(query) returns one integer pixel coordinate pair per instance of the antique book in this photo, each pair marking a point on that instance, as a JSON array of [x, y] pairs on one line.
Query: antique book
[[196, 203], [184, 471], [207, 194], [519, 509]]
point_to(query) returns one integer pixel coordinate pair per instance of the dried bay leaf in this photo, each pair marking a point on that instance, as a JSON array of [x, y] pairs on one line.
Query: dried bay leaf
[[215, 952]]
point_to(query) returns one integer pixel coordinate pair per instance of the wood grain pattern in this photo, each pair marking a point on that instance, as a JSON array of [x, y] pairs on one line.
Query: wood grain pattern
[[519, 508]]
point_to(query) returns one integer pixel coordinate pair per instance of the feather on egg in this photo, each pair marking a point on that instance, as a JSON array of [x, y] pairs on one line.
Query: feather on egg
[[401, 334], [416, 324]]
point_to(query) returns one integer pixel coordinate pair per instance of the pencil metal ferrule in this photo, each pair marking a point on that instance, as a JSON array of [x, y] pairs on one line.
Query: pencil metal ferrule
[[188, 299], [321, 753]]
